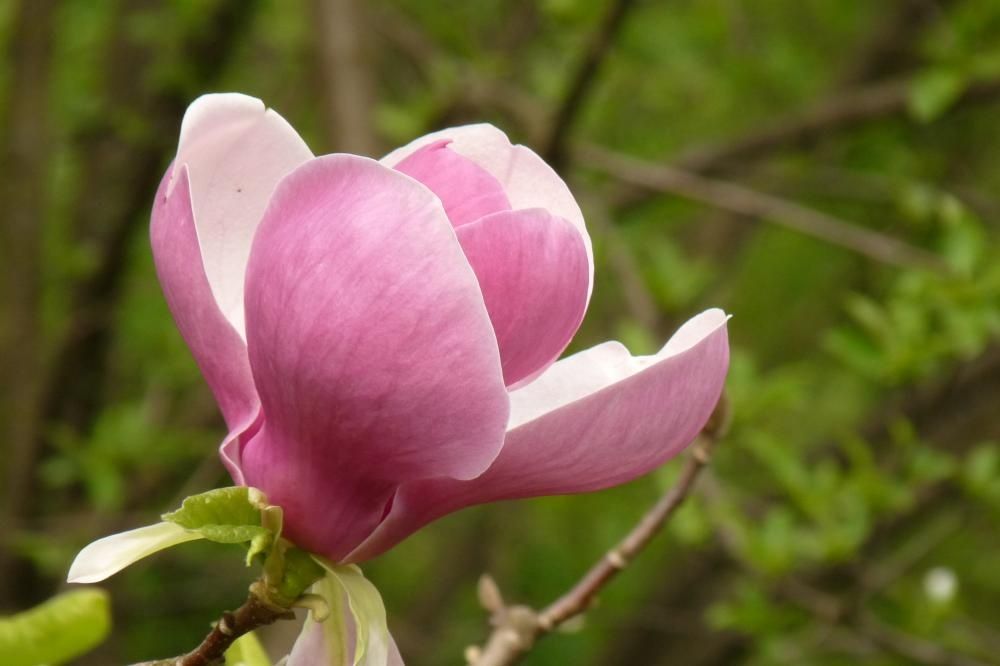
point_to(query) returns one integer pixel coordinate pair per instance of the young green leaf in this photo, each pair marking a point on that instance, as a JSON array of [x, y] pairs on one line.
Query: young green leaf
[[933, 92], [56, 631], [229, 515], [299, 571], [225, 515], [232, 506], [247, 651]]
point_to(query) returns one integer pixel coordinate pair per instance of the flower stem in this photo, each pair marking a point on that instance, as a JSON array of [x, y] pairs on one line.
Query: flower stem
[[255, 612]]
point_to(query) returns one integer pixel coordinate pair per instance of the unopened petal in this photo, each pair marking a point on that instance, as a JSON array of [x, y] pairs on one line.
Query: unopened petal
[[467, 191], [532, 269], [526, 179]]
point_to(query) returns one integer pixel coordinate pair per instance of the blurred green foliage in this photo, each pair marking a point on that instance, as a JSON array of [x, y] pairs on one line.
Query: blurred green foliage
[[56, 631], [863, 463]]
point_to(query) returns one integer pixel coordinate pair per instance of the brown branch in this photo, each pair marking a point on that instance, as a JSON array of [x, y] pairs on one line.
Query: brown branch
[[955, 409], [516, 628], [747, 202], [841, 111], [916, 649], [255, 612], [892, 47], [598, 46]]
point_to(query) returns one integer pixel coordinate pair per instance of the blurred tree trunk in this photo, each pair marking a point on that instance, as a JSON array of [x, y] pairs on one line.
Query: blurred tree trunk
[[125, 161], [345, 71], [892, 47], [24, 140]]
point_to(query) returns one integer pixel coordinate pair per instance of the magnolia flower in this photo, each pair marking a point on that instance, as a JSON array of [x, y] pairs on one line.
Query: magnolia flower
[[381, 336]]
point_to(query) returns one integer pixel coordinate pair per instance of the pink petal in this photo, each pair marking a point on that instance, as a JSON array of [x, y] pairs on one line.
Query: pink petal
[[532, 269], [526, 179], [316, 647], [217, 347], [594, 420], [371, 349], [321, 645], [467, 191], [236, 151]]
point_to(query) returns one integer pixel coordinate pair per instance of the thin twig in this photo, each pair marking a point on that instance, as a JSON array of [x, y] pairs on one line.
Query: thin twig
[[598, 46], [635, 293], [913, 648], [845, 109], [745, 201], [516, 628], [255, 612]]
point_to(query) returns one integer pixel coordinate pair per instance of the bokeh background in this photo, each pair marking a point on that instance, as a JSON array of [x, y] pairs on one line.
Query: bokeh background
[[828, 171]]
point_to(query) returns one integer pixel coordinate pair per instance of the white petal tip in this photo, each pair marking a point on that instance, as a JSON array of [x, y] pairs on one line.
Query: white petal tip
[[106, 557]]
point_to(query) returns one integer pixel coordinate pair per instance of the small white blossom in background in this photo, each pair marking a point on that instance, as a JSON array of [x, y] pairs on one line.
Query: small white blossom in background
[[940, 584]]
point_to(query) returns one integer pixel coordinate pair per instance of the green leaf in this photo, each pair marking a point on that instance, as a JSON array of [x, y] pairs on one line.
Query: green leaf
[[932, 93], [371, 628], [230, 515], [247, 651], [225, 515], [300, 571], [56, 631], [224, 506], [106, 557]]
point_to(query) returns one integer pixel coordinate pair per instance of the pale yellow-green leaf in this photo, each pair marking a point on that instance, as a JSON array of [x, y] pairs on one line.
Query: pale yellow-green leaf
[[57, 630], [247, 651], [108, 556], [368, 612]]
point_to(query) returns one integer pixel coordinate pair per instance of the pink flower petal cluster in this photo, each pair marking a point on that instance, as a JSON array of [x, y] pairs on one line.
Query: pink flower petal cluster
[[381, 336]]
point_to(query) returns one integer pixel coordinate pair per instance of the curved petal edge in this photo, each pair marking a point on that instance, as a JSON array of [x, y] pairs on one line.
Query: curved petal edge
[[596, 419], [371, 349]]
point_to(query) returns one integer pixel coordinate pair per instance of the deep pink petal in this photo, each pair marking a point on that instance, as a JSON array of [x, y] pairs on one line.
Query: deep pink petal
[[594, 420], [236, 151], [525, 177], [217, 347], [371, 349], [532, 268], [467, 190]]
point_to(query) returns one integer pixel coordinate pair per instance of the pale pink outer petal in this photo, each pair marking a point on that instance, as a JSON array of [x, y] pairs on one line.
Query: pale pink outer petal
[[592, 421], [313, 645], [528, 181], [532, 269], [311, 648], [371, 348], [236, 150], [467, 191], [217, 347]]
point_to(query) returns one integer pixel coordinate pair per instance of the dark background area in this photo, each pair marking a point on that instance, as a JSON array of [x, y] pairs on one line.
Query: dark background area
[[827, 171]]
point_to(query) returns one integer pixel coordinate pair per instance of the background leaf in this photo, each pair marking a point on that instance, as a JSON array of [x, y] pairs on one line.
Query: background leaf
[[57, 630]]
